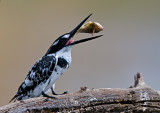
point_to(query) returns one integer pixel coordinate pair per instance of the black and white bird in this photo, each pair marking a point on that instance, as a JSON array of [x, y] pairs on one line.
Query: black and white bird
[[50, 67]]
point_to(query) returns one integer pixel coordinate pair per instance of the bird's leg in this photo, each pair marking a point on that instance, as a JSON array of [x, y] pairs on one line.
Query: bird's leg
[[45, 95], [54, 93]]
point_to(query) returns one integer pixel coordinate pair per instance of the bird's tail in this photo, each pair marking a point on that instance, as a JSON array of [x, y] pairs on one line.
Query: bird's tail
[[14, 98]]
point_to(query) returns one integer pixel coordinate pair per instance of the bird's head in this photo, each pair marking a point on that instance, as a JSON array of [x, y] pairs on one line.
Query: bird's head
[[66, 39]]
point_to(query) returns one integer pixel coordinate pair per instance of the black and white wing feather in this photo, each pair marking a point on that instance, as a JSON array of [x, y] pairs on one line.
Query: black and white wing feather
[[40, 73]]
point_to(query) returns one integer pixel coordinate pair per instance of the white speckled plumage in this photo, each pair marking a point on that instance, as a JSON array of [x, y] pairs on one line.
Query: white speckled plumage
[[44, 84]]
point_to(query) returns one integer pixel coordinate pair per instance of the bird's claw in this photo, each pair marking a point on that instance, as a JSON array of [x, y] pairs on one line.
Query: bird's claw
[[66, 92]]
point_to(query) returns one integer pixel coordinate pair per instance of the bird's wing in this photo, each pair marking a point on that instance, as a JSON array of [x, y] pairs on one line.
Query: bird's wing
[[39, 73]]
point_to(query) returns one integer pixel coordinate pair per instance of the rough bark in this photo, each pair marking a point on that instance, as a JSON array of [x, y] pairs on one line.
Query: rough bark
[[138, 98]]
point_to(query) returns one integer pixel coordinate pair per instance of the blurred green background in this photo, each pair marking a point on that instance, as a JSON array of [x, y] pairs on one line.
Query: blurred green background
[[130, 43]]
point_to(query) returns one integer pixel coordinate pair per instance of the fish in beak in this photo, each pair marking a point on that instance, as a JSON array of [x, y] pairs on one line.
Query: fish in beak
[[74, 31]]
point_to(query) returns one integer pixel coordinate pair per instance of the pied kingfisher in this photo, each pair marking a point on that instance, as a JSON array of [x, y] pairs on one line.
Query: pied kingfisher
[[47, 70]]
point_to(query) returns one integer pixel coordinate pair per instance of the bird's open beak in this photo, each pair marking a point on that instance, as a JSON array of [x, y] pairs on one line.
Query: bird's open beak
[[73, 32], [84, 40]]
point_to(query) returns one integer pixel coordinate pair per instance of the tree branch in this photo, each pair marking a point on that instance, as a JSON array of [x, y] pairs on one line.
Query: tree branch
[[138, 98]]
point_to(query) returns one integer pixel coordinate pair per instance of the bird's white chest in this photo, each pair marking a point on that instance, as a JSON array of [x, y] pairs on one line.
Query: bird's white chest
[[63, 62]]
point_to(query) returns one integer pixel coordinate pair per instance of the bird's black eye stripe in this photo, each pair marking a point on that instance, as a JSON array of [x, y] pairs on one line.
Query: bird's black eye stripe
[[63, 41]]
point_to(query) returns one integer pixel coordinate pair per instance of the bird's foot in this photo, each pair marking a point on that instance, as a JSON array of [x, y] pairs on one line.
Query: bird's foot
[[54, 93], [45, 95]]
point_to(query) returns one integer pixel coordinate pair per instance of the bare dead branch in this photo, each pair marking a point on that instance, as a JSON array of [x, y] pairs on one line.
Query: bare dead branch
[[138, 99]]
